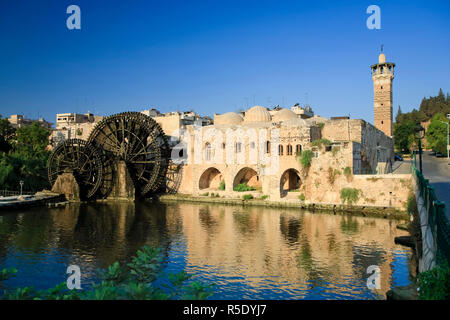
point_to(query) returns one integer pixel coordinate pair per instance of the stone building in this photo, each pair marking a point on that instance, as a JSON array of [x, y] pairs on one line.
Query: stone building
[[173, 122], [263, 152], [18, 121], [73, 126]]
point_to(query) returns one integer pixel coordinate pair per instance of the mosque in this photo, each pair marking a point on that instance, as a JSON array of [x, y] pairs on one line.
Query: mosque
[[260, 150]]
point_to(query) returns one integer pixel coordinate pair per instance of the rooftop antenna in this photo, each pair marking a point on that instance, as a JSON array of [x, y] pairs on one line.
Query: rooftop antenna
[[382, 47], [306, 98]]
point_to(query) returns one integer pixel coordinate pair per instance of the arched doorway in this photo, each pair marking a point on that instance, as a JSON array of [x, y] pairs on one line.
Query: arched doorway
[[289, 181], [249, 177], [210, 179]]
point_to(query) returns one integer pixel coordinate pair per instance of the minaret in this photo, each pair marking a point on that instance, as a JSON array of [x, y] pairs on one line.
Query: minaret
[[383, 76]]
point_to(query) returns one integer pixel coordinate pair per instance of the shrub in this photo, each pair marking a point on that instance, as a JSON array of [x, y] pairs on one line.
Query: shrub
[[350, 195], [411, 205], [222, 185], [306, 158], [435, 283], [137, 280], [321, 125], [348, 171], [243, 187], [205, 194], [320, 142], [332, 173], [247, 197], [264, 197], [302, 197]]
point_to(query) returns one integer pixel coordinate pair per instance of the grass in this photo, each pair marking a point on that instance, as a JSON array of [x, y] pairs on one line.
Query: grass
[[247, 197], [302, 197], [306, 158], [243, 187], [320, 142], [350, 195]]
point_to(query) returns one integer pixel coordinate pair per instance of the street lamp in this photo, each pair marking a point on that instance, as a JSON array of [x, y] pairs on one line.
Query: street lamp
[[21, 185], [419, 133]]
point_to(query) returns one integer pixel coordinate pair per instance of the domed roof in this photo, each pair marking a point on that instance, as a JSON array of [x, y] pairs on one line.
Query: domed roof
[[257, 114], [228, 118], [381, 58], [283, 115]]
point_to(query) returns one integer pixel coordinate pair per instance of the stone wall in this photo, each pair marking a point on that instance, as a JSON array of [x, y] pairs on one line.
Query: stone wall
[[371, 146]]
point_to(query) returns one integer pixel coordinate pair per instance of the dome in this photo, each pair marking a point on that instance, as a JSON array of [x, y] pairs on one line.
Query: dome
[[257, 114], [283, 115], [381, 58], [228, 118]]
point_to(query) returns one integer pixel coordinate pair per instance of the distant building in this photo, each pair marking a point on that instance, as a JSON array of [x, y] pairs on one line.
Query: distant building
[[18, 121], [172, 122], [73, 126]]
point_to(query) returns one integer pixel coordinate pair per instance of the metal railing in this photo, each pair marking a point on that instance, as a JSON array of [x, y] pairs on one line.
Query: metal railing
[[437, 219], [10, 193]]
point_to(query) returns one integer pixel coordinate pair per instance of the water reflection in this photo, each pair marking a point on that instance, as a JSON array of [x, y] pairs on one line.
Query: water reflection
[[249, 252]]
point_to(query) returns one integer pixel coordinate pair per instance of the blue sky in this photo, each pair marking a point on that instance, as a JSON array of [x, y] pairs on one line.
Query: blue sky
[[217, 56]]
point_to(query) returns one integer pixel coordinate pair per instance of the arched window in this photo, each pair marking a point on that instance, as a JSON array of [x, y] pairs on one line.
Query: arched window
[[207, 151], [289, 150], [298, 149], [280, 150], [238, 147]]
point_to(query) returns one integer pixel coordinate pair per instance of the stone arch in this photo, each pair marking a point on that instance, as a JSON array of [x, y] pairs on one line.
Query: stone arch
[[249, 176], [210, 179], [290, 180]]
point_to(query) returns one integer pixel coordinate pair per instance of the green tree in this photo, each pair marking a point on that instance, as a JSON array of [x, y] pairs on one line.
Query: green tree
[[27, 158], [7, 133], [404, 135], [437, 133]]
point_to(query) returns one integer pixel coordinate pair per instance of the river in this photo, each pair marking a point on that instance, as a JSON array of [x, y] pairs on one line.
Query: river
[[247, 252]]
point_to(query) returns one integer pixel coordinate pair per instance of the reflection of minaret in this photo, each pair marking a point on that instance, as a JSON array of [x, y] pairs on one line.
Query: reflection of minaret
[[383, 76]]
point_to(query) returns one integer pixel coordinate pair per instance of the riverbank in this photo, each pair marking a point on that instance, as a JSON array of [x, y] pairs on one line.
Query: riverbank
[[26, 201], [365, 211]]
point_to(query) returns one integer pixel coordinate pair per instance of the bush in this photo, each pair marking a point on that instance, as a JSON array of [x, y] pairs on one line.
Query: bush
[[247, 197], [320, 142], [264, 197], [435, 283], [411, 205], [302, 197], [306, 158], [205, 194], [137, 280], [350, 195], [222, 185], [243, 187], [332, 173], [348, 172]]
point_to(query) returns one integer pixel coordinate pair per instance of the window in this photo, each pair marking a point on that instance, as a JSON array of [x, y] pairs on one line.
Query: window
[[289, 150], [267, 146], [207, 152], [223, 145], [298, 149], [238, 147], [252, 145], [280, 150]]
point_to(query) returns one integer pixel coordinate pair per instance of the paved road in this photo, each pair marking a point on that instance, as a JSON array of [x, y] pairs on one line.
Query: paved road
[[437, 170]]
